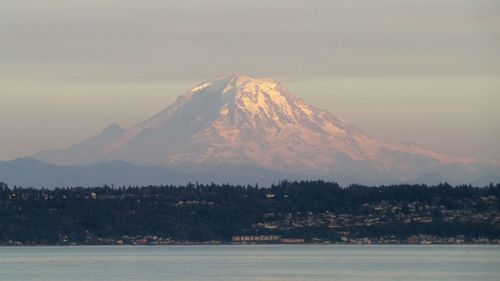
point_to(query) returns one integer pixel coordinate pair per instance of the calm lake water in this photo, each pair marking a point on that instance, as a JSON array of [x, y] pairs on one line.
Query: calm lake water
[[260, 263]]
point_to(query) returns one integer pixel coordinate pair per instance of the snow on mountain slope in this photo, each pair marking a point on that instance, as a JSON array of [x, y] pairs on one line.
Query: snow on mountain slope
[[245, 121]]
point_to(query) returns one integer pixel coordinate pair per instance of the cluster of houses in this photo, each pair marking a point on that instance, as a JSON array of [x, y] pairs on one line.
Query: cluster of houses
[[385, 213], [420, 239]]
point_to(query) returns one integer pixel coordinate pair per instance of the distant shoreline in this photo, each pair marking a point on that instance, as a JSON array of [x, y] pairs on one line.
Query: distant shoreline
[[246, 244], [309, 212]]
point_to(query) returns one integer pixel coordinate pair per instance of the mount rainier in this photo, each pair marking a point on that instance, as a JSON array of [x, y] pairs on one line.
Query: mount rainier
[[246, 123]]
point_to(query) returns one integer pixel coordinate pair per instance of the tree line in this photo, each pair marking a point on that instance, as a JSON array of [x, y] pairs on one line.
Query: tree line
[[198, 212]]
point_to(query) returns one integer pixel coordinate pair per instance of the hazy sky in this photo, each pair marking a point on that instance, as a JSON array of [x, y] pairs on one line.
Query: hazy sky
[[420, 71]]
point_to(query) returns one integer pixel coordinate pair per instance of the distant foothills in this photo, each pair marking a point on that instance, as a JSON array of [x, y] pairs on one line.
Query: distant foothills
[[287, 212]]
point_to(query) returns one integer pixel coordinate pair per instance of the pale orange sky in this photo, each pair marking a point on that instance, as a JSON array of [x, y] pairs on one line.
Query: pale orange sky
[[421, 71]]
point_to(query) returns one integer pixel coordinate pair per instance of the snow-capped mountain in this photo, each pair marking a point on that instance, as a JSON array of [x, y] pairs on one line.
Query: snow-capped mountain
[[242, 121]]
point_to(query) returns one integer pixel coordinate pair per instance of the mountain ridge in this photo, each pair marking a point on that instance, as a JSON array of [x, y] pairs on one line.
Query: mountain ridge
[[29, 172], [239, 120]]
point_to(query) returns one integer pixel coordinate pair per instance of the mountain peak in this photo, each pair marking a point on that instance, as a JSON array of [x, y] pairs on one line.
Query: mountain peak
[[112, 129], [226, 83], [262, 97], [237, 80]]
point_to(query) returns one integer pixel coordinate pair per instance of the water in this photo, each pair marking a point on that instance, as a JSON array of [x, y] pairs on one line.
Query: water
[[244, 263]]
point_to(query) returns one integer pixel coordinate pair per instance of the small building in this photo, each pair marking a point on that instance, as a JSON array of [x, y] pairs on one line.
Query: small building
[[256, 238], [292, 240]]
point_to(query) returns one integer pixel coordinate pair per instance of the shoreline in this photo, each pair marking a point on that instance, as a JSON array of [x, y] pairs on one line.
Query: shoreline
[[245, 244]]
